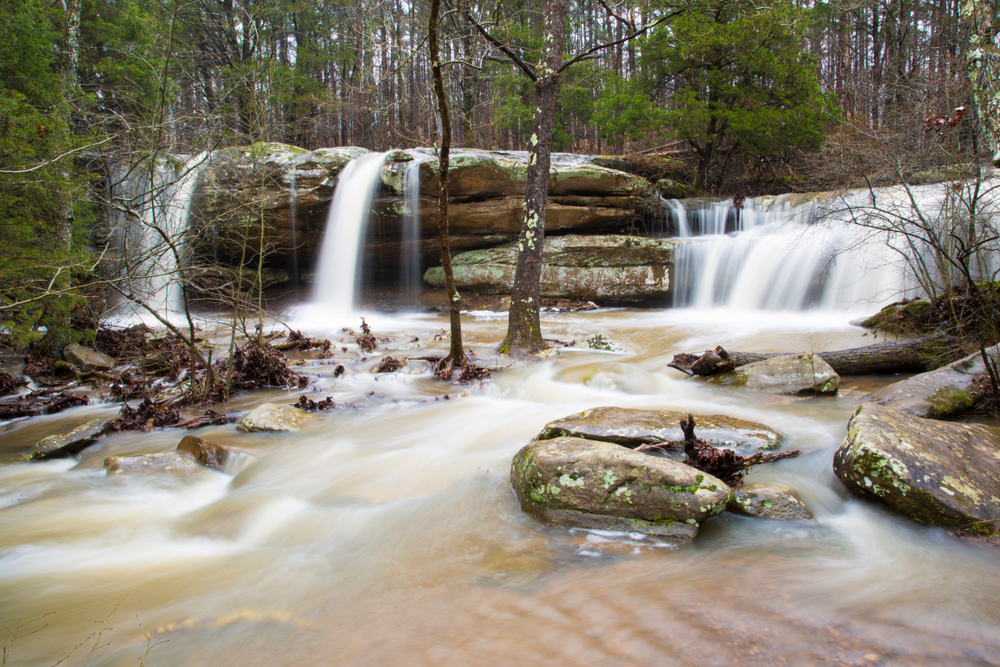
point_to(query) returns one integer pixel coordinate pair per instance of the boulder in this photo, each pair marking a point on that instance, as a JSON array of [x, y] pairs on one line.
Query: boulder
[[162, 462], [632, 427], [69, 443], [273, 417], [604, 269], [938, 394], [769, 501], [87, 359], [597, 341], [787, 374], [584, 483], [211, 454], [937, 473]]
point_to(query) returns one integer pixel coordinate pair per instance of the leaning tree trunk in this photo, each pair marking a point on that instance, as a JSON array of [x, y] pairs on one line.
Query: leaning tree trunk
[[524, 331], [916, 355], [983, 63], [456, 356]]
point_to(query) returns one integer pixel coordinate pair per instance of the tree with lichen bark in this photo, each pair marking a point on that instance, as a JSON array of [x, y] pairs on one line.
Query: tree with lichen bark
[[983, 65], [524, 331]]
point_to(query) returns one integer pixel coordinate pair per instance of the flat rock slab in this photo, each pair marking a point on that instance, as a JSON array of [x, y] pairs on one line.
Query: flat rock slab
[[938, 394], [937, 473], [630, 428], [87, 359], [69, 443], [769, 501], [273, 417], [787, 374], [591, 484], [163, 462]]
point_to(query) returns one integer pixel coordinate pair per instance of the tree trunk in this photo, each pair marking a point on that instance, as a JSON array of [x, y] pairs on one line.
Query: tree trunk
[[456, 355], [916, 355], [984, 68], [524, 331]]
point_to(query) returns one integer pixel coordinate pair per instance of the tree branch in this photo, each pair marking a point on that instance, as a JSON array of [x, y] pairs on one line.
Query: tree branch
[[584, 55]]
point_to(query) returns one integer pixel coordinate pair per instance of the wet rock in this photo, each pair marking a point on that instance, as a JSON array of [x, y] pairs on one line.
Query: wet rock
[[603, 269], [69, 443], [631, 427], [211, 454], [769, 501], [87, 359], [787, 374], [945, 392], [589, 484], [598, 341], [162, 462], [516, 565], [273, 417], [913, 317], [671, 189], [937, 473]]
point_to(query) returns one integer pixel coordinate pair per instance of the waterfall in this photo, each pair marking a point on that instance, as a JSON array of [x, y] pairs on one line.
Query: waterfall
[[338, 270], [152, 208], [411, 277], [778, 255]]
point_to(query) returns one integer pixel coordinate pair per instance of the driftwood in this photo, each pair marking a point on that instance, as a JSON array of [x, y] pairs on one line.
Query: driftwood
[[915, 355], [724, 464]]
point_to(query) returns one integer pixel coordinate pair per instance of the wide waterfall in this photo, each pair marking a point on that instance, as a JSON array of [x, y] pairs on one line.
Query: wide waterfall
[[151, 206], [338, 268], [842, 252], [411, 277]]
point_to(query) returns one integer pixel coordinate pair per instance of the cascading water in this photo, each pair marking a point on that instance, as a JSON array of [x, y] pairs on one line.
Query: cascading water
[[338, 269], [410, 274], [153, 208]]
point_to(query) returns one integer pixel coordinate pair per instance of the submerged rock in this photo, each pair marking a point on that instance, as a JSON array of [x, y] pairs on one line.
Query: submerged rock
[[937, 473], [769, 501], [71, 442], [211, 454], [604, 269], [631, 427], [787, 374], [598, 341], [87, 359], [584, 483], [162, 462], [945, 392], [273, 417]]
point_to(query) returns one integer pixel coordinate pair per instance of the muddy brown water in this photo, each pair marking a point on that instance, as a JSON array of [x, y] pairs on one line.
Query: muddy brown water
[[388, 534]]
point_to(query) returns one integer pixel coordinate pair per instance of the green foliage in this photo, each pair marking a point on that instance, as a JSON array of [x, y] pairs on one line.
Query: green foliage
[[625, 110], [741, 78]]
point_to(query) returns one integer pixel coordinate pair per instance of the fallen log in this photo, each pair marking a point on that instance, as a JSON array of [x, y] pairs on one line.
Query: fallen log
[[915, 355]]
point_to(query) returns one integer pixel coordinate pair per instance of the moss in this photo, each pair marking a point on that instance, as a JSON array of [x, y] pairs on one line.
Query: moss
[[949, 401]]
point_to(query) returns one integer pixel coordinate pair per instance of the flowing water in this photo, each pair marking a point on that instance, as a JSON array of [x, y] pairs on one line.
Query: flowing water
[[388, 534]]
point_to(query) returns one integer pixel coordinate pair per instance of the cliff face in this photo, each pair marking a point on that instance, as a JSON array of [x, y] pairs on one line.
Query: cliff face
[[244, 187]]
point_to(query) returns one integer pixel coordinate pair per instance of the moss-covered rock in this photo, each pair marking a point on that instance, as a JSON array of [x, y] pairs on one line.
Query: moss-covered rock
[[938, 394], [937, 473], [590, 484], [769, 501], [631, 428], [604, 269], [787, 374], [904, 318]]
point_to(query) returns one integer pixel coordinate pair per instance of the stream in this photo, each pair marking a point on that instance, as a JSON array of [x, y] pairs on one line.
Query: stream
[[388, 534]]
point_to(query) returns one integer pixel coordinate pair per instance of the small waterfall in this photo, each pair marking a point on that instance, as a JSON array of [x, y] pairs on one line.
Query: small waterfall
[[153, 207], [680, 218], [293, 203], [411, 277], [338, 271]]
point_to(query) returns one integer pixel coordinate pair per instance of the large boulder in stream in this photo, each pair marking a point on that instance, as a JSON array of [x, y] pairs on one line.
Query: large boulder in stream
[[71, 442], [787, 374], [939, 394], [271, 417], [588, 484], [630, 427], [937, 473], [604, 269]]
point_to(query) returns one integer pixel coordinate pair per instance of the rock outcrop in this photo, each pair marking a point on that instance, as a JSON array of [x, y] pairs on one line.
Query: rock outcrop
[[939, 394], [937, 473], [631, 428], [604, 269], [787, 374], [584, 483]]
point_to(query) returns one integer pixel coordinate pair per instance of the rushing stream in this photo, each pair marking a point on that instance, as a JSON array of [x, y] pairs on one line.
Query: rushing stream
[[388, 534]]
